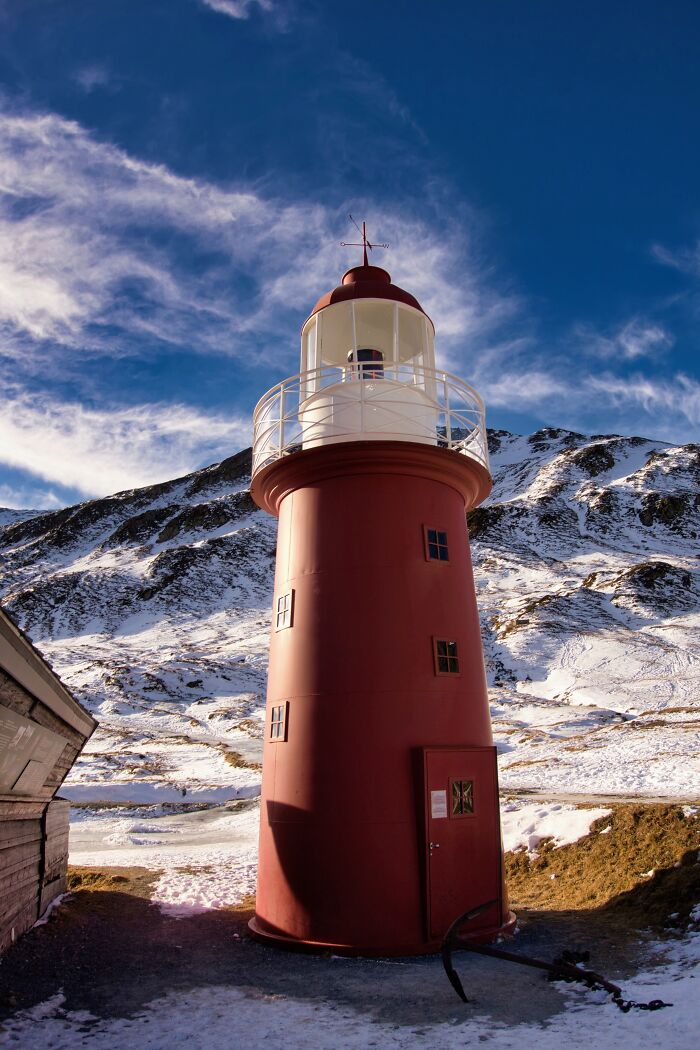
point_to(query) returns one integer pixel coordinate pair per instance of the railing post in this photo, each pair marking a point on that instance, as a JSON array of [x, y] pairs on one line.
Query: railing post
[[448, 421], [281, 437]]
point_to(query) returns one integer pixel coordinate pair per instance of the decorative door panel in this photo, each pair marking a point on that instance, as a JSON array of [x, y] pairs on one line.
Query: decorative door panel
[[463, 841]]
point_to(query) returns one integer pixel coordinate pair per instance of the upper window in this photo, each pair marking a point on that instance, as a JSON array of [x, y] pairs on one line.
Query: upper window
[[278, 721], [436, 545], [446, 657], [285, 611]]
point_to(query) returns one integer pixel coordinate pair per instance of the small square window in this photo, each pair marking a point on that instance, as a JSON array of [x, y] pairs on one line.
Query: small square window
[[446, 657], [284, 616], [436, 545], [278, 722], [462, 797]]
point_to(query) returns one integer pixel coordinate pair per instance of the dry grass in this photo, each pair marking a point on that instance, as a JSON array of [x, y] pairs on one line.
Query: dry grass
[[138, 882], [235, 759], [611, 871]]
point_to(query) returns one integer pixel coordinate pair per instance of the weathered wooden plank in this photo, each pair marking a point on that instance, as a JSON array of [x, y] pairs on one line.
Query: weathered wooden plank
[[20, 863], [18, 834], [56, 857], [15, 859], [12, 808], [13, 831], [12, 882], [65, 761], [18, 877], [58, 835], [15, 696], [58, 814], [58, 831], [27, 877], [13, 907], [27, 899], [61, 769], [19, 848], [61, 831], [15, 925], [22, 882], [27, 851]]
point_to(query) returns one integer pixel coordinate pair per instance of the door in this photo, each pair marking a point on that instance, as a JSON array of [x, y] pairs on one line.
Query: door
[[463, 837]]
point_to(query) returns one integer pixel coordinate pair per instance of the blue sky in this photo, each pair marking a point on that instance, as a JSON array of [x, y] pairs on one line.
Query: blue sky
[[175, 178]]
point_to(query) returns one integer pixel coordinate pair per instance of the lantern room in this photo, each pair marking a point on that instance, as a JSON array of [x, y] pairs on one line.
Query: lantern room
[[395, 328], [368, 359], [367, 372]]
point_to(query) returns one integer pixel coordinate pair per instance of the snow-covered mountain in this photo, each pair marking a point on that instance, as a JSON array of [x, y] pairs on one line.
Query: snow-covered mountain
[[153, 605]]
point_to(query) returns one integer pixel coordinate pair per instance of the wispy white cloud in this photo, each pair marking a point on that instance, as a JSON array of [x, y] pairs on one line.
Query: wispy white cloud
[[80, 258], [92, 76], [661, 399], [562, 389], [101, 451], [99, 249], [29, 497], [523, 391], [238, 8], [638, 337], [687, 260]]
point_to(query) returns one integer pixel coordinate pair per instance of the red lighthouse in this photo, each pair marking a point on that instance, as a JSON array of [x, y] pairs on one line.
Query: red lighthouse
[[379, 816]]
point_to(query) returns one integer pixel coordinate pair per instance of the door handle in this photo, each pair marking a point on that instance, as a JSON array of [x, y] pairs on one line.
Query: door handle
[[434, 845]]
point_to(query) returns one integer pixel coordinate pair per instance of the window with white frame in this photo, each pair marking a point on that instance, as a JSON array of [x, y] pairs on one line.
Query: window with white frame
[[284, 616], [278, 722]]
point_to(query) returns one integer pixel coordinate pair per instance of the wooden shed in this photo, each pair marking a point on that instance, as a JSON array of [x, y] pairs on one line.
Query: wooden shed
[[42, 731]]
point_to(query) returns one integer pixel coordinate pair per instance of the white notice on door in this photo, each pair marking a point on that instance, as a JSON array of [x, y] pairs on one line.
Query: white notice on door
[[438, 803]]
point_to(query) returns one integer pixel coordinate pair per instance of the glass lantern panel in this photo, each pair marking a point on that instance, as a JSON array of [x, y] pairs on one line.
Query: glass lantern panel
[[411, 330], [374, 327], [309, 364], [308, 361], [335, 335]]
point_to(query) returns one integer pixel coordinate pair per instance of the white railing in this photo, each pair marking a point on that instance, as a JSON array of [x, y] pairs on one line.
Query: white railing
[[334, 404]]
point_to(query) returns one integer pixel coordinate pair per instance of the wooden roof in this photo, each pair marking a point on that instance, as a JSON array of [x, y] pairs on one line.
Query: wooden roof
[[24, 663]]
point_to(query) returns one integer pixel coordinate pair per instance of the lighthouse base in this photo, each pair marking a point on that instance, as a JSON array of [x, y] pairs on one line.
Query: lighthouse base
[[292, 944]]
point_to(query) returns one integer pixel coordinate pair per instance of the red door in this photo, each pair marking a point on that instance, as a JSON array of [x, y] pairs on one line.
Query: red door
[[463, 843]]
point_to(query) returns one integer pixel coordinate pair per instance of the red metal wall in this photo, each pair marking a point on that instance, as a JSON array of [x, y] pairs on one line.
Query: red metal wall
[[342, 856]]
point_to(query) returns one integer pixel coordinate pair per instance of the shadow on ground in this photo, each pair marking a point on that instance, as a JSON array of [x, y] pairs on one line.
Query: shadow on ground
[[110, 951]]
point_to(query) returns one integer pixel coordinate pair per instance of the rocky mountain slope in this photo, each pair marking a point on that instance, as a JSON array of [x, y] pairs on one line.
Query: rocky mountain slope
[[153, 604]]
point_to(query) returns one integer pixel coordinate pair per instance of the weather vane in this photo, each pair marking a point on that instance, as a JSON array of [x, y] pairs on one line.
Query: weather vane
[[364, 243]]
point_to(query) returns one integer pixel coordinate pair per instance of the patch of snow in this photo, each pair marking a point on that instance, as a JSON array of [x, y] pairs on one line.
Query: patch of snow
[[525, 824], [55, 903]]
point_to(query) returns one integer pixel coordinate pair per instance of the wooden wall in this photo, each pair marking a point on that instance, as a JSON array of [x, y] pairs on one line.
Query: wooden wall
[[33, 862], [42, 731]]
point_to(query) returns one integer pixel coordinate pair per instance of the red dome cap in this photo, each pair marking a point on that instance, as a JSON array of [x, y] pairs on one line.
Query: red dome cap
[[367, 282]]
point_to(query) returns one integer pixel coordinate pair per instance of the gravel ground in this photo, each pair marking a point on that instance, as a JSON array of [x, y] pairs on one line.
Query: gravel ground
[[111, 952]]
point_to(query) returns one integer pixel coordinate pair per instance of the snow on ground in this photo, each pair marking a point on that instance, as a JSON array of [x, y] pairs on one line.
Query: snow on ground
[[208, 858], [525, 824], [219, 1018]]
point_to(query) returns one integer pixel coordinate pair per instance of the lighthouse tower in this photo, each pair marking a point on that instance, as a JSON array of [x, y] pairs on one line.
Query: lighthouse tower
[[379, 820]]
